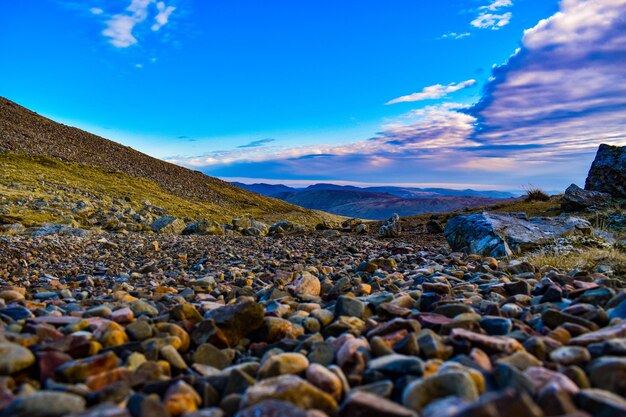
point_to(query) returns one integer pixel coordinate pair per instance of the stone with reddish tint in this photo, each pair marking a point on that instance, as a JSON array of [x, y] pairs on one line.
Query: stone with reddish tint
[[180, 398], [273, 408], [79, 370], [363, 404]]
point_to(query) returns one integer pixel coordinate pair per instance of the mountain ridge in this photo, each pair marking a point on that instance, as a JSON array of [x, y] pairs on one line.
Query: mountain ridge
[[405, 192]]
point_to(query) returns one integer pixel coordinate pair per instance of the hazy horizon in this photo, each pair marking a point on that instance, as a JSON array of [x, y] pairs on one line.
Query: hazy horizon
[[481, 94]]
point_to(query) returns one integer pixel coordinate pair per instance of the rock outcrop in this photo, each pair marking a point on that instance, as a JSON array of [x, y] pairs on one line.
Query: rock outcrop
[[577, 199], [608, 171], [499, 235]]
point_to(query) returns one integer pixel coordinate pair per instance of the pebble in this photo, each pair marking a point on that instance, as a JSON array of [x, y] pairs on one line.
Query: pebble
[[363, 404], [14, 358], [422, 392], [293, 389], [44, 404], [283, 363]]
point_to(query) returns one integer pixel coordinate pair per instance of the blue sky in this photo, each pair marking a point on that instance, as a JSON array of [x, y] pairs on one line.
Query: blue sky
[[401, 92]]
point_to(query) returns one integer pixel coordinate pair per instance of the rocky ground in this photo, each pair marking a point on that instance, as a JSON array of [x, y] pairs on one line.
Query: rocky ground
[[310, 324]]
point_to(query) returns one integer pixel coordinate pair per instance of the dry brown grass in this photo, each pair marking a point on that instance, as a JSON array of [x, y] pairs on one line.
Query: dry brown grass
[[587, 259]]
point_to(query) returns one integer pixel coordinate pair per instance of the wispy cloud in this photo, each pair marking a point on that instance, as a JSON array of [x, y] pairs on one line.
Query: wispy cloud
[[488, 18], [429, 128], [497, 4], [257, 143], [433, 92], [454, 35], [120, 27]]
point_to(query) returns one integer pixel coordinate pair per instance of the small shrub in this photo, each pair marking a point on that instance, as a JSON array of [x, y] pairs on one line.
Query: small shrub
[[535, 194]]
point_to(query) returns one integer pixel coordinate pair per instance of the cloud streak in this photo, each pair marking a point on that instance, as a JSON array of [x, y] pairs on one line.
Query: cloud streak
[[454, 35], [433, 92], [257, 143]]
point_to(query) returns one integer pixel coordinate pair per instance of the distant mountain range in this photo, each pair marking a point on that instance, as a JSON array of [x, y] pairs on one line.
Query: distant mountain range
[[404, 192], [378, 202]]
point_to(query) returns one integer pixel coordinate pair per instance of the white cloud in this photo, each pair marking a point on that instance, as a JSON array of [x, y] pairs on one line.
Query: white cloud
[[96, 10], [497, 4], [492, 21], [454, 35], [120, 26], [433, 92], [488, 19], [163, 16]]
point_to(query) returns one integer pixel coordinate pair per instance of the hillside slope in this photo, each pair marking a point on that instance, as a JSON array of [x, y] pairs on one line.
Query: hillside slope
[[23, 132]]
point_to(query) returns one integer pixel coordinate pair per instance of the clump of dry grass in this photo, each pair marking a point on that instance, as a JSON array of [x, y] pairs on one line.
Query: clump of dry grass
[[535, 194], [586, 259]]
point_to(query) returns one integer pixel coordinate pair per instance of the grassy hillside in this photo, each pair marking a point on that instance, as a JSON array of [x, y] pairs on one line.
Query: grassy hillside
[[41, 189], [35, 149]]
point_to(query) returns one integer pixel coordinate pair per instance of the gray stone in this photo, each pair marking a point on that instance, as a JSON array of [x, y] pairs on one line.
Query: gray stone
[[272, 408], [601, 403], [422, 392], [44, 404], [349, 306], [578, 199], [209, 355], [14, 358], [609, 373]]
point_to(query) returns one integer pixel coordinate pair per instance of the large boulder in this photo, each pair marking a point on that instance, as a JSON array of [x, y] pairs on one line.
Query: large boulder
[[285, 227], [577, 199], [608, 171], [499, 235], [248, 226], [391, 228], [204, 227], [168, 224]]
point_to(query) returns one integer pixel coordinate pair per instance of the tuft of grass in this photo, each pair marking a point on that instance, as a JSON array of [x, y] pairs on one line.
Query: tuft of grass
[[586, 259], [535, 194]]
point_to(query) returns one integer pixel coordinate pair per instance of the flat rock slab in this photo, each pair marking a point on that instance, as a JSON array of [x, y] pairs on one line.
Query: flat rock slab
[[499, 235]]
